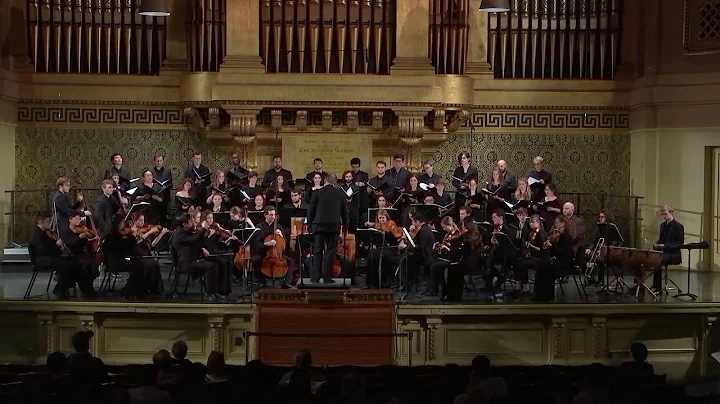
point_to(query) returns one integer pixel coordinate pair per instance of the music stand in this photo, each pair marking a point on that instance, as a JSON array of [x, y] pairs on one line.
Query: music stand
[[703, 245], [611, 234], [375, 237], [406, 281], [246, 236], [307, 239], [506, 247]]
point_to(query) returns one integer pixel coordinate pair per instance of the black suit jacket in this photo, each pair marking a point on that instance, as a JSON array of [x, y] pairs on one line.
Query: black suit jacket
[[43, 248], [271, 174], [187, 247], [328, 209], [424, 242], [62, 208], [162, 176], [122, 172], [672, 236], [103, 210]]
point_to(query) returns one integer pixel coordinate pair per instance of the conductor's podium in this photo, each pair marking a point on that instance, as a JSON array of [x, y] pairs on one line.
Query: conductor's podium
[[338, 326]]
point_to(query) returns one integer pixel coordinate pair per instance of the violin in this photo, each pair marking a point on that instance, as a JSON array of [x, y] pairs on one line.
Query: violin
[[449, 237], [223, 233], [390, 227], [80, 229], [147, 227], [554, 237], [52, 234]]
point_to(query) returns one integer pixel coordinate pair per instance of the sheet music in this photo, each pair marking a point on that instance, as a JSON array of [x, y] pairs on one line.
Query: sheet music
[[533, 180], [349, 192]]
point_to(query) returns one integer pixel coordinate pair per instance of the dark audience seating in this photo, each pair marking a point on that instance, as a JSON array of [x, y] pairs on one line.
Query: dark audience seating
[[258, 383]]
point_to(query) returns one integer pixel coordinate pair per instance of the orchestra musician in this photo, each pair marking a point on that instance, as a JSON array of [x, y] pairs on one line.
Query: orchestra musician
[[187, 241], [380, 184], [277, 169], [356, 203], [162, 177], [550, 206], [603, 217], [509, 179], [318, 170], [216, 242], [199, 174], [462, 174], [389, 257], [328, 211], [502, 254], [76, 238], [422, 255], [399, 176], [117, 168], [316, 182], [268, 227], [560, 247], [543, 177], [130, 249], [672, 236], [534, 254], [468, 226], [47, 248], [296, 200], [450, 251], [152, 193], [62, 207], [105, 208], [429, 177], [185, 194], [381, 204]]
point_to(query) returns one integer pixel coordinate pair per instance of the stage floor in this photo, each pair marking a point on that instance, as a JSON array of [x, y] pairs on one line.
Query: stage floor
[[14, 279]]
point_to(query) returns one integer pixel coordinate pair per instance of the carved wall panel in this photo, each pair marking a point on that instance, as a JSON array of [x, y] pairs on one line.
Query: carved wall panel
[[702, 26]]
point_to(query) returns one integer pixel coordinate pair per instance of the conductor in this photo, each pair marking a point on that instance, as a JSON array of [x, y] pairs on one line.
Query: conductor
[[328, 210]]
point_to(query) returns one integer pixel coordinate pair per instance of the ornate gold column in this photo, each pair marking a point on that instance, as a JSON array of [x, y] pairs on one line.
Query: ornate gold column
[[413, 23], [477, 63], [243, 128], [243, 38], [176, 44], [411, 125]]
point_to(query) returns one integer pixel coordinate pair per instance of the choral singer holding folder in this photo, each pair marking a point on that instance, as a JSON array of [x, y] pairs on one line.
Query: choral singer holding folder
[[328, 210]]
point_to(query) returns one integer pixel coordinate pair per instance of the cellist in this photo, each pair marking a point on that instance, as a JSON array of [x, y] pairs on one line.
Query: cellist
[[268, 227]]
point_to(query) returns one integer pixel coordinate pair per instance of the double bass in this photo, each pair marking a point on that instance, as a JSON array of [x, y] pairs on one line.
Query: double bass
[[95, 241], [273, 264]]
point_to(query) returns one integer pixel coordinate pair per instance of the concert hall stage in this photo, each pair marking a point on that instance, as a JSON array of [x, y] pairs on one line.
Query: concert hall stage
[[679, 334]]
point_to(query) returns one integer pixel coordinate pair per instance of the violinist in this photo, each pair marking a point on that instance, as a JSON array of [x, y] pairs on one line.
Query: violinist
[[217, 241], [560, 246], [422, 255], [268, 227], [450, 251], [47, 249], [472, 261], [327, 213], [535, 254], [62, 206], [461, 176], [381, 204], [187, 248], [357, 201], [502, 254], [76, 238], [123, 252], [152, 193], [389, 256], [106, 207]]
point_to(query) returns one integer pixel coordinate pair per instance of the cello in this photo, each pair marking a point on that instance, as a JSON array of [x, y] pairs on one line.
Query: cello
[[273, 264]]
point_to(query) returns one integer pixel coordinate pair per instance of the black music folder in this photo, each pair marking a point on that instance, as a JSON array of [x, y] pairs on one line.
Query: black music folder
[[221, 218], [374, 237], [509, 206], [478, 198], [137, 207], [256, 216], [610, 233], [233, 179], [286, 215], [301, 183], [428, 212]]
